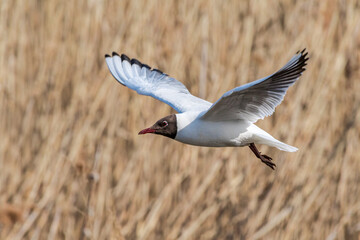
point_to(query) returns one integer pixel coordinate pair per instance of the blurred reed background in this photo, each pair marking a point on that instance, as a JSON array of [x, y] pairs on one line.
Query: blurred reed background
[[73, 167]]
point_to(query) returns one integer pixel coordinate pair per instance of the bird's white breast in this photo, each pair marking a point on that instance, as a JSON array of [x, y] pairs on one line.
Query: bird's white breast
[[194, 131]]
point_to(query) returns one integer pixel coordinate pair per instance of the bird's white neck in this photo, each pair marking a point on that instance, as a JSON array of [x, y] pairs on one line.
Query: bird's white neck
[[184, 119]]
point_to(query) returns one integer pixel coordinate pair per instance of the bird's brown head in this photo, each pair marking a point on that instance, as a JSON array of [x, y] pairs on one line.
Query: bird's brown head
[[166, 126]]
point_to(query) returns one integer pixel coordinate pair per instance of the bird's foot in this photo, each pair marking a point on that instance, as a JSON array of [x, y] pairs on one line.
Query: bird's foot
[[267, 160], [264, 158]]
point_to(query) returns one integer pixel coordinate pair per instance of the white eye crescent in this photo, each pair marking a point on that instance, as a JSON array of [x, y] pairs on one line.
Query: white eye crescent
[[164, 123]]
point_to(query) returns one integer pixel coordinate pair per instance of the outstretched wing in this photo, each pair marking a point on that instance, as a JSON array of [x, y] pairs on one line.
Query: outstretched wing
[[258, 99], [152, 82]]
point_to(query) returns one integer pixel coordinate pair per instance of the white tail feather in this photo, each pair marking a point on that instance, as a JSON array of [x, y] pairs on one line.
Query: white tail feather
[[265, 138], [283, 146]]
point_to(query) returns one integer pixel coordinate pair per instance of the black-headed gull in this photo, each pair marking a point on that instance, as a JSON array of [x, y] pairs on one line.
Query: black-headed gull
[[229, 122]]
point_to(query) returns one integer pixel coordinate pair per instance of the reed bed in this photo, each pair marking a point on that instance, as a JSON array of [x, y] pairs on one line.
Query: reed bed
[[73, 167]]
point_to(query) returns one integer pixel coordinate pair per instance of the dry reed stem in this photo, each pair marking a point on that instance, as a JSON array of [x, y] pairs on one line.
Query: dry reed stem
[[61, 110]]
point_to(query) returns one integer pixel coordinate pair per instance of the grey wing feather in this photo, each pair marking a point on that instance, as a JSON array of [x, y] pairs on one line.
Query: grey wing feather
[[258, 99]]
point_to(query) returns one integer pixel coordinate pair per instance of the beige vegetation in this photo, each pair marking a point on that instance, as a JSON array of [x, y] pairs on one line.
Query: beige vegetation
[[72, 165]]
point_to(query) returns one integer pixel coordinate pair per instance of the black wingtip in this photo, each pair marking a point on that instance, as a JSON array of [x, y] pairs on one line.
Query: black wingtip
[[124, 57], [147, 66], [134, 61], [302, 51], [303, 57], [137, 62], [157, 70]]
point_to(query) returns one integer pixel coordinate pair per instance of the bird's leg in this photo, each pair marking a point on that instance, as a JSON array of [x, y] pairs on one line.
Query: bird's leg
[[264, 158]]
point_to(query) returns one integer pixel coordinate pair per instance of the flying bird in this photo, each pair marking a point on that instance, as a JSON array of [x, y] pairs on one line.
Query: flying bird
[[229, 122]]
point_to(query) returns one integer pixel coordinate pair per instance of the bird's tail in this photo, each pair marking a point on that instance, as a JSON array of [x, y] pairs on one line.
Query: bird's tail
[[265, 138], [282, 146]]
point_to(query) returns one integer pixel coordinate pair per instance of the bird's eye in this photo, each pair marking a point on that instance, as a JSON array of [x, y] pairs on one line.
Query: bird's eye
[[163, 123]]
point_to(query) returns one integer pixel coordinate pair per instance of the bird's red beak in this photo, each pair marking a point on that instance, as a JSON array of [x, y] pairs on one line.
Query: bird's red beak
[[147, 130]]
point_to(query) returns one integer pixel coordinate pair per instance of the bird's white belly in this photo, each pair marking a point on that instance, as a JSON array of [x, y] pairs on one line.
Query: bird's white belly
[[215, 134]]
